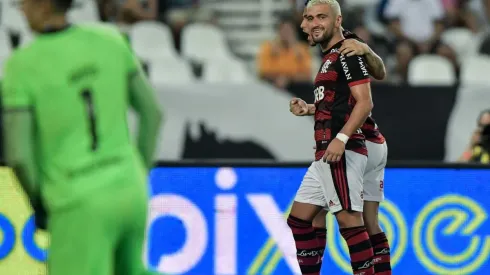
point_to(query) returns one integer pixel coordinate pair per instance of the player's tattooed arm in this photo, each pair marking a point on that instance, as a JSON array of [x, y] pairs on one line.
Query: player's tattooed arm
[[375, 64]]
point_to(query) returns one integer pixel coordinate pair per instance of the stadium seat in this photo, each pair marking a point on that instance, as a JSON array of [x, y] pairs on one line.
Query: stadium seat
[[226, 71], [12, 17], [170, 71], [84, 11], [459, 39], [5, 47], [152, 40], [2, 64], [25, 38], [431, 70], [203, 42], [474, 71]]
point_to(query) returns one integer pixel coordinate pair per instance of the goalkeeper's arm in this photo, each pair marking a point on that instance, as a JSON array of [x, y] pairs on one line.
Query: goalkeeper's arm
[[149, 112], [19, 154]]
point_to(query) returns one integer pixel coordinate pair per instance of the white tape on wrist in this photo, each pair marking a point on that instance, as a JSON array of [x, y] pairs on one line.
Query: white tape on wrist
[[342, 137]]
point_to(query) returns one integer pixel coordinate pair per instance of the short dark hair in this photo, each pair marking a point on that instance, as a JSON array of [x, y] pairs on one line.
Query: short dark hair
[[62, 5]]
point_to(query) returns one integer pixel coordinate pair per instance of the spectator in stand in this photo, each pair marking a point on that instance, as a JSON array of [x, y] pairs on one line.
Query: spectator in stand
[[481, 152], [127, 12], [481, 10], [482, 122], [179, 13], [459, 15], [131, 11], [417, 26], [285, 60]]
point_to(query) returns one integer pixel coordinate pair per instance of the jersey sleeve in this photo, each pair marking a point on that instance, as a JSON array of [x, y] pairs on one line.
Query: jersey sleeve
[[350, 35], [14, 89], [132, 62], [355, 70]]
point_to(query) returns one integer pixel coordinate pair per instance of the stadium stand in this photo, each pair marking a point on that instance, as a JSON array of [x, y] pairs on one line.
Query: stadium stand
[[474, 71], [459, 39], [228, 70], [152, 40], [84, 12], [180, 72], [431, 70], [203, 42]]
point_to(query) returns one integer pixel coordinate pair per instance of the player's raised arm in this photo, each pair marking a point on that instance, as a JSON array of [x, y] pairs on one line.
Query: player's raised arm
[[19, 131], [375, 64], [150, 115], [358, 79]]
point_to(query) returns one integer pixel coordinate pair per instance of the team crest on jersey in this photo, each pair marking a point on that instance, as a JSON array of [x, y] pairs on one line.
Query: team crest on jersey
[[325, 66]]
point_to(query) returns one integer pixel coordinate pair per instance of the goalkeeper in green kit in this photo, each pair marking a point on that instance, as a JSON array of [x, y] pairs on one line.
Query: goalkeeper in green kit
[[66, 98]]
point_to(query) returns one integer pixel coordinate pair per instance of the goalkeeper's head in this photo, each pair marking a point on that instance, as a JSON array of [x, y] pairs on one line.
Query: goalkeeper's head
[[46, 14]]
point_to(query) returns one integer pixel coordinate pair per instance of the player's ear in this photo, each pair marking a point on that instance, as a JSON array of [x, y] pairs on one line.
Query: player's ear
[[338, 21]]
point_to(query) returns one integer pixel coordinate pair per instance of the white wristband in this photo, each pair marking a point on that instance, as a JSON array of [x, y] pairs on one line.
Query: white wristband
[[342, 137]]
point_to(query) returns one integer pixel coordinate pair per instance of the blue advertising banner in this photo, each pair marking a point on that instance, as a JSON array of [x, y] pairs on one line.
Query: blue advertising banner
[[206, 221], [227, 221]]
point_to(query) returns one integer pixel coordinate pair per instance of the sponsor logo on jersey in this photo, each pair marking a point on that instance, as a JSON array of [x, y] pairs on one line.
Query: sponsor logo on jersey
[[363, 66], [345, 68], [319, 93]]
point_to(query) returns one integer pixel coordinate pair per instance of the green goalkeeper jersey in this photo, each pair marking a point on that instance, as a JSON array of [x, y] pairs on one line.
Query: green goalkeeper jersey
[[75, 82]]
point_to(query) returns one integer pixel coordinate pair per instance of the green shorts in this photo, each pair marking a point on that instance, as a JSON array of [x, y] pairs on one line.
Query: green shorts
[[102, 235]]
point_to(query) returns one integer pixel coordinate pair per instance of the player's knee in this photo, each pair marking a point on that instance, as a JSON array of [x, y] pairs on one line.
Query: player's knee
[[320, 219], [297, 225], [372, 225], [304, 211], [347, 219]]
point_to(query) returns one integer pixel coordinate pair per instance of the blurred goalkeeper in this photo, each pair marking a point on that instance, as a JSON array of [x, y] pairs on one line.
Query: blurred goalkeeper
[[66, 100]]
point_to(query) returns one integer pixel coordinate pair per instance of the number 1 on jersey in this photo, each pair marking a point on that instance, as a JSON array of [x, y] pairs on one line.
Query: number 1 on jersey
[[87, 98]]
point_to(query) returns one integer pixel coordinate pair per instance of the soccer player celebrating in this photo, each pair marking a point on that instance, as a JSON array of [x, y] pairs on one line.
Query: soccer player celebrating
[[66, 98], [342, 104], [377, 157]]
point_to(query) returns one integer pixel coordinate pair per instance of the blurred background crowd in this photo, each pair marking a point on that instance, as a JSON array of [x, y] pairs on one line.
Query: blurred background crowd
[[430, 43], [398, 30]]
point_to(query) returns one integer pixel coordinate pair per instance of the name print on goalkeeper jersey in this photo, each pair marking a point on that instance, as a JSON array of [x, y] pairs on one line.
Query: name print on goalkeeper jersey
[[333, 99]]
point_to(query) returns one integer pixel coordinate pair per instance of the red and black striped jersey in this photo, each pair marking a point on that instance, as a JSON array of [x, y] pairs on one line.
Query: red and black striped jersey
[[369, 128], [334, 101]]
